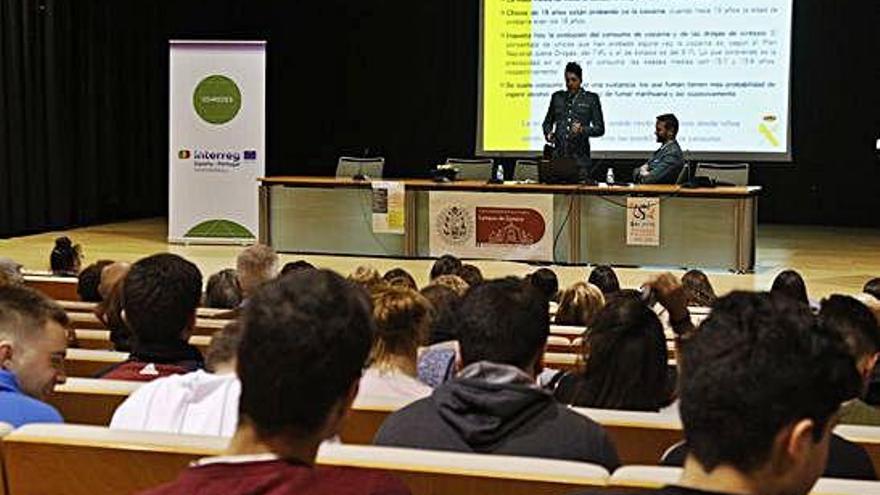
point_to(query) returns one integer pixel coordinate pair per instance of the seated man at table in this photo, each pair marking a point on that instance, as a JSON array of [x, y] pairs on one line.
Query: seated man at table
[[665, 165], [761, 389], [494, 405], [33, 341], [160, 295], [306, 343]]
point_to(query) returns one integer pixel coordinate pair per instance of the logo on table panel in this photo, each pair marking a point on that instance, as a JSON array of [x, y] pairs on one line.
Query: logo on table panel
[[454, 224], [184, 154], [509, 226], [217, 99]]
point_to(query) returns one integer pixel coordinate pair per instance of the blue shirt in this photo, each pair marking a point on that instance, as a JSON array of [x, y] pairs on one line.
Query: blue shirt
[[18, 409]]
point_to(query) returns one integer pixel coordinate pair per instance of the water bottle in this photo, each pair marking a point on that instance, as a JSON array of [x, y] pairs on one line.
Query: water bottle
[[499, 174], [609, 177]]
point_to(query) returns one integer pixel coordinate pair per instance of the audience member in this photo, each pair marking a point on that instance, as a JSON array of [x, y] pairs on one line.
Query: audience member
[[445, 302], [625, 361], [445, 265], [454, 282], [10, 271], [308, 335], [255, 266], [197, 403], [789, 283], [761, 389], [699, 289], [223, 290], [160, 295], [90, 280], [494, 404], [293, 266], [856, 325], [604, 277], [368, 278], [546, 282], [66, 258], [33, 342], [471, 274], [403, 318], [109, 310], [873, 287], [579, 305], [398, 277]]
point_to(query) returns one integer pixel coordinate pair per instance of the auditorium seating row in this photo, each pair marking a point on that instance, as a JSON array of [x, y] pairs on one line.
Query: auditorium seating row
[[90, 460], [640, 437]]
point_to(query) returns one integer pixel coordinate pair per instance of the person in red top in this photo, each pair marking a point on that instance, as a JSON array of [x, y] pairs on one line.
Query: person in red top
[[160, 295], [307, 337]]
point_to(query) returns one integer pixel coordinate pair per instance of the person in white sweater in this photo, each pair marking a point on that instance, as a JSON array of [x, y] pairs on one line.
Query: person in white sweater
[[197, 403]]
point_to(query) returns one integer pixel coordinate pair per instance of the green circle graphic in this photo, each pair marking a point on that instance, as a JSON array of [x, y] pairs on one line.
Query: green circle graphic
[[217, 99]]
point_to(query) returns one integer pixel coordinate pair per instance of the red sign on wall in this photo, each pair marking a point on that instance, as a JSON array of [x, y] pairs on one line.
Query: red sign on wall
[[509, 226]]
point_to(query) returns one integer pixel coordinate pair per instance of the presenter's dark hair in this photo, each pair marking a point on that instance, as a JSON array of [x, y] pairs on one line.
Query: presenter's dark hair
[[159, 295], [307, 334], [574, 68], [504, 321], [769, 353], [670, 121]]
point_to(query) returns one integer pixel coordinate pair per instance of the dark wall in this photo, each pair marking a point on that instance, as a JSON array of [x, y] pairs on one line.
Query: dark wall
[[83, 99]]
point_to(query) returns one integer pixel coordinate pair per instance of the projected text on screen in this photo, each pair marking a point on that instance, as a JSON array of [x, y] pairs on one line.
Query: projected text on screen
[[721, 66]]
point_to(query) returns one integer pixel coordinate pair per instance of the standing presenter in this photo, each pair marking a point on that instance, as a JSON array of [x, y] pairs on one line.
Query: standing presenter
[[574, 116]]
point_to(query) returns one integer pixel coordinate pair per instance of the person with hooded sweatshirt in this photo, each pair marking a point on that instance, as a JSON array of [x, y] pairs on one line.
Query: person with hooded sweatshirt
[[494, 405]]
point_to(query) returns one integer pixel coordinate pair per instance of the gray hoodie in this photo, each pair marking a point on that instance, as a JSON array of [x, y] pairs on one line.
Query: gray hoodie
[[498, 409]]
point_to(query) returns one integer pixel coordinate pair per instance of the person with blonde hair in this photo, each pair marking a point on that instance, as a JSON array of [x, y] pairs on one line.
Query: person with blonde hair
[[579, 304], [403, 319], [255, 266], [368, 278], [454, 282]]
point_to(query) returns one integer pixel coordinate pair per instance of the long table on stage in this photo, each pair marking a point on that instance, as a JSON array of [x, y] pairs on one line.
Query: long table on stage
[[699, 228]]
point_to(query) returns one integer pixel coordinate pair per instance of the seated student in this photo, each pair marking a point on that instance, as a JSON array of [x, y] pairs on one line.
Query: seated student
[[789, 283], [471, 274], [33, 341], [545, 281], [223, 290], [699, 289], [109, 310], [196, 403], [761, 389], [855, 323], [307, 339], [160, 295], [368, 278], [454, 282], [626, 364], [66, 258], [10, 271], [604, 277], [872, 287], [665, 165], [292, 266], [445, 265], [494, 404], [89, 279], [255, 266], [439, 362], [579, 305], [403, 319], [400, 277]]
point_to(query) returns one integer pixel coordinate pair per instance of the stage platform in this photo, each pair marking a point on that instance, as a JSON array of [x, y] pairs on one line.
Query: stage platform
[[832, 260]]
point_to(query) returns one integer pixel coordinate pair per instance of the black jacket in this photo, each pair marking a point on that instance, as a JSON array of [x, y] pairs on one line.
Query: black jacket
[[471, 415]]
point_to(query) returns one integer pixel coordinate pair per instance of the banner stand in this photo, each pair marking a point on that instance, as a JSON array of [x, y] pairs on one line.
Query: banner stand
[[217, 116]]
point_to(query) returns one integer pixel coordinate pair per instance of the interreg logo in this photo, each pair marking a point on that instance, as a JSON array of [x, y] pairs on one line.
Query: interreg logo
[[217, 160], [217, 99]]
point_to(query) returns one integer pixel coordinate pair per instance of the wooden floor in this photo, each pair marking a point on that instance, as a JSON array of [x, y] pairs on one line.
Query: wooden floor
[[832, 260]]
